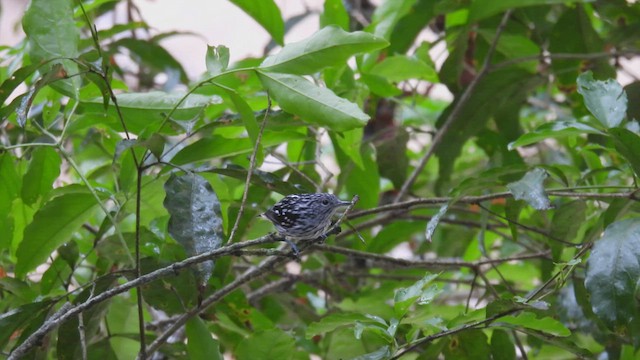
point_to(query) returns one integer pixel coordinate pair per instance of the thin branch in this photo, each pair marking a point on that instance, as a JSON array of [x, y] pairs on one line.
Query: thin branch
[[252, 165], [477, 199], [69, 311], [455, 112]]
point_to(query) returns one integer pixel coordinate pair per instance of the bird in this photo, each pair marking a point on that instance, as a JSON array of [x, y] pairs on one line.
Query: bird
[[304, 216]]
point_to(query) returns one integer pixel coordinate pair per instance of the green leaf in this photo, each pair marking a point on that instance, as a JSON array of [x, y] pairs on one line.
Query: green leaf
[[606, 100], [554, 130], [380, 354], [52, 226], [54, 74], [528, 320], [200, 344], [388, 14], [334, 13], [260, 178], [501, 346], [14, 80], [52, 34], [314, 104], [19, 317], [471, 344], [146, 110], [331, 322], [405, 297], [217, 59], [196, 220], [43, 170], [267, 14], [10, 181], [483, 9], [153, 55], [568, 219], [613, 270], [267, 344], [531, 189], [627, 144], [330, 46], [69, 345], [246, 114], [401, 67], [218, 146]]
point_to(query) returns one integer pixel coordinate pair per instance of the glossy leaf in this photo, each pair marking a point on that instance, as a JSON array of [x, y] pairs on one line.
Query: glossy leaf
[[330, 46], [405, 297], [52, 226], [531, 189], [52, 34], [606, 100], [612, 274], [217, 59], [196, 221], [313, 104], [267, 14], [44, 169]]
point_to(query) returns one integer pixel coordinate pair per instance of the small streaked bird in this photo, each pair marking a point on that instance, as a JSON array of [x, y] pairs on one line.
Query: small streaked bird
[[304, 216]]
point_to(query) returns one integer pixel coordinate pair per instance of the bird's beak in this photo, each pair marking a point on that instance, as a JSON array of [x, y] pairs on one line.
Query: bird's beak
[[345, 203]]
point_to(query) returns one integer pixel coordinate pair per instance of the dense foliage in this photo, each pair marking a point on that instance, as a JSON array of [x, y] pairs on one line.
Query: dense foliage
[[502, 224]]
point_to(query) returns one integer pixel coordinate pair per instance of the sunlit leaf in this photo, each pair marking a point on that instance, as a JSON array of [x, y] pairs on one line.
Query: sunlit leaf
[[267, 14], [330, 46], [314, 104], [53, 225]]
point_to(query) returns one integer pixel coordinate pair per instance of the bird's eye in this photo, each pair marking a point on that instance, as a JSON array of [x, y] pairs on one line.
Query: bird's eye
[[325, 202]]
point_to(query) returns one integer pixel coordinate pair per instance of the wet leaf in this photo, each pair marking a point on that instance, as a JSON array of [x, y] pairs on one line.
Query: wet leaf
[[606, 100], [531, 189], [613, 270], [196, 221]]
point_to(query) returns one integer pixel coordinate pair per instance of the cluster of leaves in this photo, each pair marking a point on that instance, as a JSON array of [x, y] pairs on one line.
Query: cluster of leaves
[[110, 179]]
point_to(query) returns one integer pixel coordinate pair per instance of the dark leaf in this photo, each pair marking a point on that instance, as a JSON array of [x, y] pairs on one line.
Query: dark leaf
[[196, 221], [613, 270]]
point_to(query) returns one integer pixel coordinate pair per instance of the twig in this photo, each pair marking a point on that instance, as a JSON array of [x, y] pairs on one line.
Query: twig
[[69, 311], [262, 269], [455, 112], [252, 165]]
